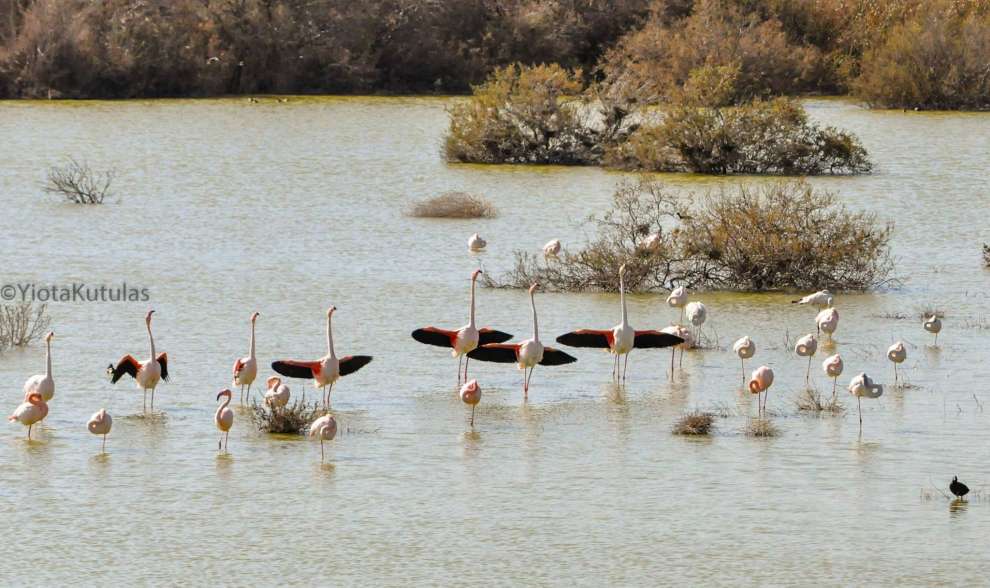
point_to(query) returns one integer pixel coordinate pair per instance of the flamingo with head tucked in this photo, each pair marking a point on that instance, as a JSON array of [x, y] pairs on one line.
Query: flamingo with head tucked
[[100, 424], [43, 384], [146, 373], [224, 418], [463, 340], [933, 325], [861, 387], [30, 412], [246, 368], [622, 338], [744, 348], [526, 354], [828, 321], [832, 366], [807, 346], [897, 353], [326, 370], [759, 383], [697, 314], [325, 428], [471, 394], [678, 298], [476, 243]]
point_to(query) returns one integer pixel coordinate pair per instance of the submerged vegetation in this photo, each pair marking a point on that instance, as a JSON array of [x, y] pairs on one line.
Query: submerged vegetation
[[79, 183], [291, 419], [454, 205], [694, 423], [22, 323], [782, 236]]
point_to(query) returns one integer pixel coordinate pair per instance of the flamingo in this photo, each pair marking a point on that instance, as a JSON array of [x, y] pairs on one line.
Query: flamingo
[[832, 366], [100, 424], [146, 373], [828, 321], [552, 248], [861, 387], [471, 394], [686, 336], [744, 349], [463, 340], [759, 382], [278, 393], [806, 347], [821, 299], [652, 243], [896, 353], [621, 339], [933, 324], [476, 243], [326, 428], [326, 370], [678, 299], [224, 418], [30, 412], [42, 383], [526, 354], [696, 315], [246, 368]]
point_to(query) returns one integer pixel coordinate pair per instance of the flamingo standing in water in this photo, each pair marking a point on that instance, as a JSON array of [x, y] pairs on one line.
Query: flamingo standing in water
[[146, 373], [687, 338], [621, 339], [224, 418], [863, 387], [897, 353], [463, 340], [832, 366], [246, 368], [821, 299], [828, 321], [326, 370], [760, 382], [806, 346], [476, 243], [325, 428], [30, 412], [552, 248], [933, 325], [526, 354], [42, 384], [744, 348], [100, 424], [678, 299], [278, 393], [471, 394], [696, 315]]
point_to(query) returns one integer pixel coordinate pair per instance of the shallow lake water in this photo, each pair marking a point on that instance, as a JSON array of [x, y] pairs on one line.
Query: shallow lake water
[[223, 207]]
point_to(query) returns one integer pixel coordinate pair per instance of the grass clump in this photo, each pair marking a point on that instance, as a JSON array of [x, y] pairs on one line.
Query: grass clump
[[454, 205], [22, 323], [291, 419], [79, 183], [762, 428], [813, 401], [694, 423]]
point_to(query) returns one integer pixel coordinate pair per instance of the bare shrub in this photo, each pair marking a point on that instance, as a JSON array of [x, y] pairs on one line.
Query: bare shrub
[[78, 183], [813, 401], [22, 323], [986, 254], [761, 428], [454, 205], [694, 423], [290, 419]]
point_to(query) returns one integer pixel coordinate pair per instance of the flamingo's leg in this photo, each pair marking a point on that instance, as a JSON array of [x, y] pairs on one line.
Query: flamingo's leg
[[467, 360], [625, 368], [322, 456], [460, 358]]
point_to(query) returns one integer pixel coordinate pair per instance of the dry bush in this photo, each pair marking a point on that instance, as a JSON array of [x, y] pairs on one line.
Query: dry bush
[[79, 183], [291, 419], [761, 428], [986, 254], [454, 205], [783, 236], [694, 423], [22, 323], [813, 401]]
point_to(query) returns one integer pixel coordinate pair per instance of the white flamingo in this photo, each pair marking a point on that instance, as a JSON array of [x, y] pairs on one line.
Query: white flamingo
[[224, 418], [325, 428], [552, 248], [146, 373], [43, 384], [278, 393], [471, 394], [807, 346], [100, 424], [828, 321], [897, 353], [821, 299], [678, 298], [861, 387], [696, 315], [744, 349], [246, 368], [832, 366], [933, 325], [476, 243], [686, 335]]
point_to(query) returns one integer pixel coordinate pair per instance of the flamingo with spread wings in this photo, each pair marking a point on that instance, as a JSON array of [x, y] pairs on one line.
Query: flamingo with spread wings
[[326, 370], [463, 340], [146, 373]]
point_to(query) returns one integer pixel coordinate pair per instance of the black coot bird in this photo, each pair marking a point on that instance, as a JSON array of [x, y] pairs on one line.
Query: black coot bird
[[958, 488]]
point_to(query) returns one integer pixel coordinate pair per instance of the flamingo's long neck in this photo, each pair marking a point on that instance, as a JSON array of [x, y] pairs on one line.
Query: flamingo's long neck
[[622, 300], [251, 353], [473, 281], [536, 324], [330, 337], [48, 359], [152, 341], [226, 401]]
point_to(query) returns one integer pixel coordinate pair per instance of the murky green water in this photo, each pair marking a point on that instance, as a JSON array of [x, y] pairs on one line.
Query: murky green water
[[226, 207]]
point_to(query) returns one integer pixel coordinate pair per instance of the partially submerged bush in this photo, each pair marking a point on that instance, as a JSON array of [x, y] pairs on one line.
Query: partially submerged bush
[[694, 423], [814, 401], [986, 254], [79, 183], [22, 323], [454, 205], [781, 236], [290, 419], [761, 428]]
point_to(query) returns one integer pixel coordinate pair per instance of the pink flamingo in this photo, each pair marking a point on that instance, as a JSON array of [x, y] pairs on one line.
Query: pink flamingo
[[43, 384], [31, 412], [224, 418], [100, 424], [146, 373], [246, 368], [760, 382], [325, 428], [471, 394]]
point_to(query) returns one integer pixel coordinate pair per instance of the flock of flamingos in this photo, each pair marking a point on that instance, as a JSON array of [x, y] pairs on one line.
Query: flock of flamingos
[[467, 343]]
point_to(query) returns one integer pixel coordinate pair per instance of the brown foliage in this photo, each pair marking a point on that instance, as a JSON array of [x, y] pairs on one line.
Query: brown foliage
[[694, 423], [291, 419], [454, 205]]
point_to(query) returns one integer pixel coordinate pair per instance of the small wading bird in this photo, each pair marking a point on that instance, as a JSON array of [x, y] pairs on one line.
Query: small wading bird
[[146, 373], [862, 387], [828, 321], [744, 349], [678, 299], [806, 346], [687, 338], [832, 366], [42, 384], [246, 368], [30, 412], [760, 382], [821, 299], [896, 353], [933, 325], [552, 248], [476, 243], [463, 340], [621, 339], [100, 424], [326, 370], [224, 418], [278, 393], [958, 488], [526, 354], [471, 394], [325, 428]]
